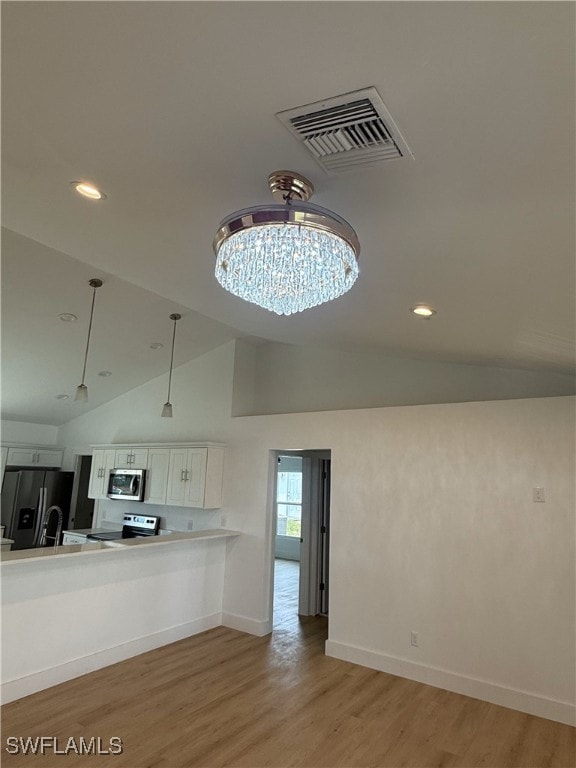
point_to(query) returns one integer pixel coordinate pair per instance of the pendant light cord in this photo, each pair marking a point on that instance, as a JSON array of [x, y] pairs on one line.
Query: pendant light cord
[[89, 332], [172, 359]]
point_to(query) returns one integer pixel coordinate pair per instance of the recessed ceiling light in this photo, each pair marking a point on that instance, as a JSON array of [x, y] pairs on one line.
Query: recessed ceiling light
[[105, 373], [156, 345], [88, 190], [68, 317], [62, 397], [423, 310]]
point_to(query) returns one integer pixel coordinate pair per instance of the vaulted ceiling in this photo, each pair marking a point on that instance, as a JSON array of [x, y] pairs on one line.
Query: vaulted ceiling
[[170, 108]]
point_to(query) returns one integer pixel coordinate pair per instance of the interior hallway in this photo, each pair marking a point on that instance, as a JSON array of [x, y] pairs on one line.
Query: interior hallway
[[286, 585], [224, 698]]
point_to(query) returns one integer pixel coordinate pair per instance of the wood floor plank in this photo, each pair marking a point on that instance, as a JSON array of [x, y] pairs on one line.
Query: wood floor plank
[[224, 698]]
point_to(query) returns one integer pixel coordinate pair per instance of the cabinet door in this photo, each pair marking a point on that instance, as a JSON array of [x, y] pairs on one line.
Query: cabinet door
[[48, 458], [176, 495], [102, 462], [196, 477], [139, 458], [22, 457], [157, 475], [131, 458], [97, 468], [123, 459], [109, 460], [214, 478]]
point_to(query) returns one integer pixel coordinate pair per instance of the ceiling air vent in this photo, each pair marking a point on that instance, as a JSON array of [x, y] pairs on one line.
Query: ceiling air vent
[[347, 132]]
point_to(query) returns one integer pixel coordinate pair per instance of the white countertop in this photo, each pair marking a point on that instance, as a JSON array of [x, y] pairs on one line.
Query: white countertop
[[95, 547]]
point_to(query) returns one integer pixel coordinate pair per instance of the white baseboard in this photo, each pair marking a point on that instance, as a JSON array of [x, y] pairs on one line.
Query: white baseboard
[[46, 678], [560, 711], [245, 624]]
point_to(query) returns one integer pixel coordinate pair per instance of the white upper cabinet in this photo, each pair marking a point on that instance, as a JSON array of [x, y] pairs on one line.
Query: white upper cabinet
[[131, 458], [187, 475], [195, 477], [102, 462], [33, 457], [157, 475]]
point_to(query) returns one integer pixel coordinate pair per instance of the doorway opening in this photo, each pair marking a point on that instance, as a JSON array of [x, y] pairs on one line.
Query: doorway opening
[[300, 552]]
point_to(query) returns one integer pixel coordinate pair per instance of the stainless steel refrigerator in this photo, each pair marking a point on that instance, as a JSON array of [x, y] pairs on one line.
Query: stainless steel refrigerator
[[26, 495]]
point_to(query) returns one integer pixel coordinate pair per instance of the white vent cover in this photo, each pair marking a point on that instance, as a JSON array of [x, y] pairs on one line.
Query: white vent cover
[[346, 132]]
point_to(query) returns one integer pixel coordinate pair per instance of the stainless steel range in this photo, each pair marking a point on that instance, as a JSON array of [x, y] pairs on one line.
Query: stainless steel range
[[135, 527]]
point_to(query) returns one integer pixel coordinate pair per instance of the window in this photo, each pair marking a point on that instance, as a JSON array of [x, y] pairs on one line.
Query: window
[[289, 496]]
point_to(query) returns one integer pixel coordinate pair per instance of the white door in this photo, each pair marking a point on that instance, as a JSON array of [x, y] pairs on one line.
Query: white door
[[314, 554]]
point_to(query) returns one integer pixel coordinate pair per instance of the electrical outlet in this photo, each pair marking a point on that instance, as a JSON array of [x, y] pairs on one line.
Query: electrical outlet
[[538, 495], [223, 521], [190, 525], [414, 639]]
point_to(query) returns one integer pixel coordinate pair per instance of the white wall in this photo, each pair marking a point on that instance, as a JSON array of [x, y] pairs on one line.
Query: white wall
[[201, 395], [26, 432], [64, 617], [294, 379], [433, 528]]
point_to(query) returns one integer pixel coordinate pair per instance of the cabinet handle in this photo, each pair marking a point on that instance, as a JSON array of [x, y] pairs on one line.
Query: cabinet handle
[[187, 475], [182, 476]]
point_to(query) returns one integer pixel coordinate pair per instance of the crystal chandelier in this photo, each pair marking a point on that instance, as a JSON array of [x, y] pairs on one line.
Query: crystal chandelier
[[290, 257]]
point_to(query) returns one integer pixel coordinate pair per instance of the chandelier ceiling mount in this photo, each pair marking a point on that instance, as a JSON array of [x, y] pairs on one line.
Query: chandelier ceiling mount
[[286, 256]]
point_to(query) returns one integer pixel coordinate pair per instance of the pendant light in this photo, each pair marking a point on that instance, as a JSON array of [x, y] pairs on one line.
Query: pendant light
[[286, 258], [82, 389], [167, 409]]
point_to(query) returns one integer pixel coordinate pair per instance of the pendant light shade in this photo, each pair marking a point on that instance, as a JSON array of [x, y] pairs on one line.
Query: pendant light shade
[[290, 257], [167, 408], [82, 389]]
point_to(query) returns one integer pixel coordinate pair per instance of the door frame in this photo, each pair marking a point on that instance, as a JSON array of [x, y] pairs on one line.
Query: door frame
[[310, 559]]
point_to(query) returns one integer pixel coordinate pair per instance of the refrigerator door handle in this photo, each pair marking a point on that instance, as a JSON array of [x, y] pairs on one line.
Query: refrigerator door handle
[[41, 515]]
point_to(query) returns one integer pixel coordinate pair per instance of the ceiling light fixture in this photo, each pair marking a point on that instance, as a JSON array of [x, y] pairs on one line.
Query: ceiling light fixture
[[423, 310], [156, 345], [104, 374], [82, 389], [290, 257], [61, 397], [68, 317], [167, 409], [88, 190]]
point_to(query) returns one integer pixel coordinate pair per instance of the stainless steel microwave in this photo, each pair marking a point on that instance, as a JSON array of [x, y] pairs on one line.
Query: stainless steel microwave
[[127, 484]]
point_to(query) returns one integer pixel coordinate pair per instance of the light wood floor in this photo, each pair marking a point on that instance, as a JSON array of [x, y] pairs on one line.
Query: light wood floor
[[223, 698], [286, 586]]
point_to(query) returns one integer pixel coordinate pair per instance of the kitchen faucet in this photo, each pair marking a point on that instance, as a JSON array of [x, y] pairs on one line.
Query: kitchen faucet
[[56, 538]]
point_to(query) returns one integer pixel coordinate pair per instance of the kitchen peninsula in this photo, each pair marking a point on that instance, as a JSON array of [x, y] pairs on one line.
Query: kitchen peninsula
[[72, 609]]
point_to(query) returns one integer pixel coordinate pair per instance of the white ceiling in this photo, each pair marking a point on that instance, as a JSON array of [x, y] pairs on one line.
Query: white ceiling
[[170, 109]]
